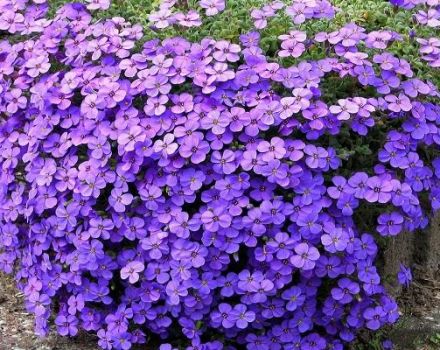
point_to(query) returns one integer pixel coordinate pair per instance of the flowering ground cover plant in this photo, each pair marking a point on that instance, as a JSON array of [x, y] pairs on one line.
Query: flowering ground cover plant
[[209, 194]]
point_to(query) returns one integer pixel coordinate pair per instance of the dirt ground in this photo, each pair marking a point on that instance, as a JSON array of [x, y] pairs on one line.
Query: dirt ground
[[17, 326]]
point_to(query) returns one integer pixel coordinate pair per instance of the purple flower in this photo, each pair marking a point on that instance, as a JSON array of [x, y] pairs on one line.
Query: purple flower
[[374, 317], [161, 19], [388, 344], [345, 291], [226, 51], [316, 156], [119, 200], [260, 18], [398, 103], [242, 316], [131, 137], [224, 316], [299, 12], [174, 291], [291, 48], [390, 224], [131, 271], [305, 256], [98, 4], [336, 240], [37, 66], [191, 19], [397, 2], [76, 303], [38, 303], [295, 298], [216, 218], [212, 7], [404, 276], [344, 109], [250, 39], [195, 149], [223, 163], [378, 190], [67, 325]]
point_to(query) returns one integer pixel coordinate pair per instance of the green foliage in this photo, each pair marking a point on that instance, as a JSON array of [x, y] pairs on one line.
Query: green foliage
[[435, 339]]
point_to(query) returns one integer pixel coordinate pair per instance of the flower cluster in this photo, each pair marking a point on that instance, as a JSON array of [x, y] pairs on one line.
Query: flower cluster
[[23, 17], [299, 11], [192, 195], [165, 16], [293, 44]]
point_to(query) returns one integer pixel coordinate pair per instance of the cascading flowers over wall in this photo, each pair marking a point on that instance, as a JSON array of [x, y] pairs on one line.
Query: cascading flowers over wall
[[193, 195]]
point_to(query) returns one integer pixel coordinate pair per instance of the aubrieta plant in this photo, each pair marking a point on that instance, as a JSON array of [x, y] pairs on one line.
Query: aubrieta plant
[[193, 195]]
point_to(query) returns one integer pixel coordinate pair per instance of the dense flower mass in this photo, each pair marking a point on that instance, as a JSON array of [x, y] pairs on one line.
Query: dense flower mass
[[193, 195]]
